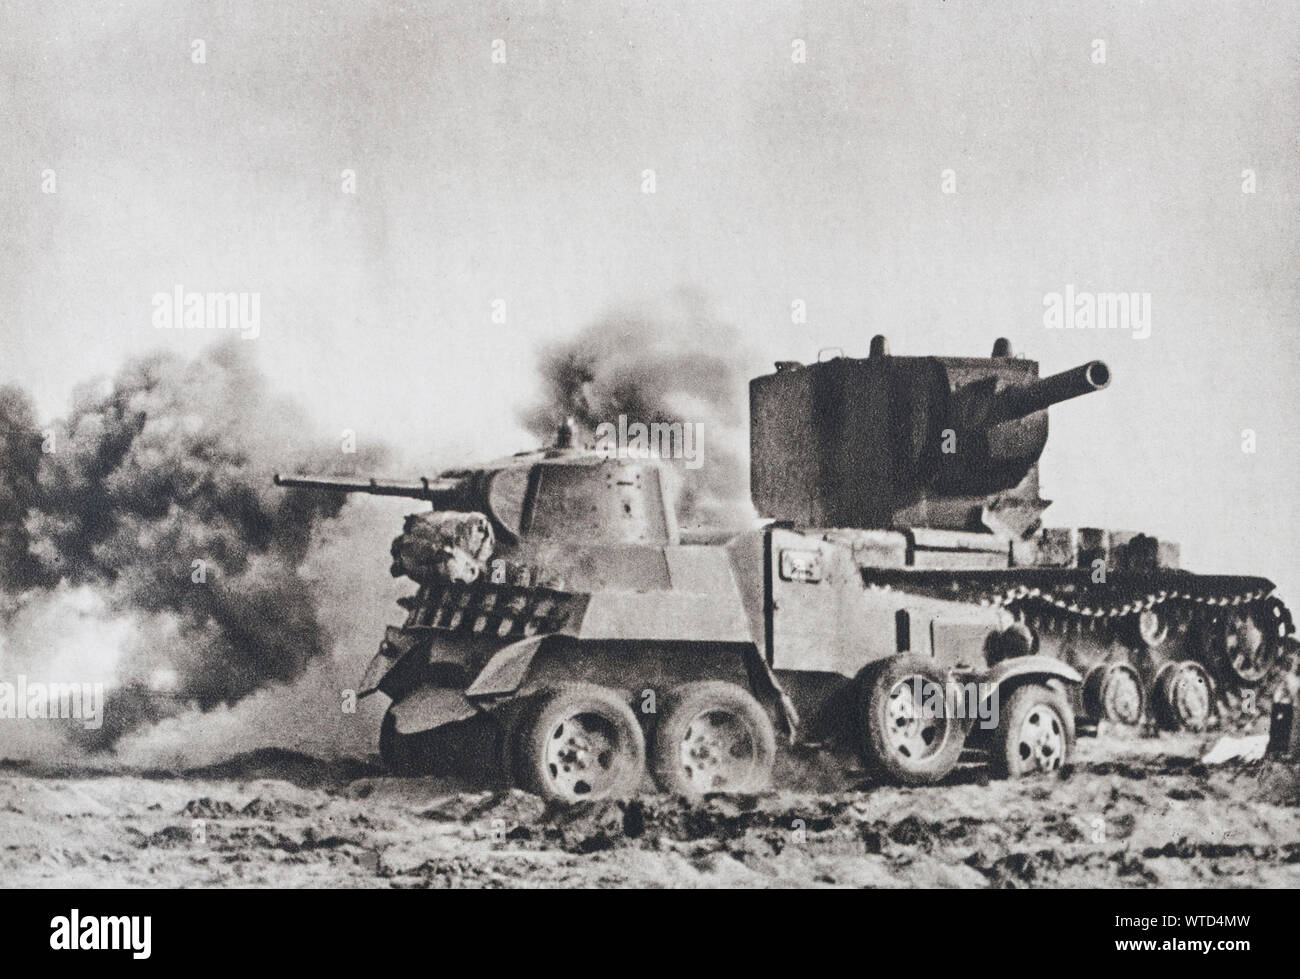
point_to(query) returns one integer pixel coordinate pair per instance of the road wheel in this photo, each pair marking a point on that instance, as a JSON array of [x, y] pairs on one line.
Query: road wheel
[[1249, 645], [1184, 697], [713, 736], [906, 727], [1035, 732], [1114, 692], [1152, 628], [579, 742]]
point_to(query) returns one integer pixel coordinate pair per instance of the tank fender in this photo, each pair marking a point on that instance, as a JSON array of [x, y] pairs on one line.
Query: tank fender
[[506, 671], [397, 643], [1048, 667], [427, 707]]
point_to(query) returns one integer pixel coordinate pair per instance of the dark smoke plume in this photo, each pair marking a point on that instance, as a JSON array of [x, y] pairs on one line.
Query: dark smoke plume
[[20, 460], [157, 492], [676, 364]]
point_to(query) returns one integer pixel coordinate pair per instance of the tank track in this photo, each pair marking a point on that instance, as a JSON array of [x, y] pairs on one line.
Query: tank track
[[1173, 650]]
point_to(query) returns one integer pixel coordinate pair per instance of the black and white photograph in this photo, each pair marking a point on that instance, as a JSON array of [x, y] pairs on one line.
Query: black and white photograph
[[623, 445]]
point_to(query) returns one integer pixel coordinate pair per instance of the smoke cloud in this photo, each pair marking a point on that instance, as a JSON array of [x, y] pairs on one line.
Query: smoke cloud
[[151, 506], [672, 363]]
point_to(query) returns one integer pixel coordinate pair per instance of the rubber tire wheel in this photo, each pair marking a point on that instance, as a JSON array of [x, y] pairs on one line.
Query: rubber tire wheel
[[873, 719], [528, 755], [1167, 715], [682, 705], [1100, 682], [1004, 754]]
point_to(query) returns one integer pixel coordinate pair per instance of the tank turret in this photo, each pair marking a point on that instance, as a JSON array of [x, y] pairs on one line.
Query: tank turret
[[500, 509], [895, 442]]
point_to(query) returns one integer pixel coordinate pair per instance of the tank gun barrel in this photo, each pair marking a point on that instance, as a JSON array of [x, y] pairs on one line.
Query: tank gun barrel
[[1020, 400], [438, 491]]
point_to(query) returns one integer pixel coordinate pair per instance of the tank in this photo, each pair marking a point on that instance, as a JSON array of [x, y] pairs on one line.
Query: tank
[[901, 602], [946, 450]]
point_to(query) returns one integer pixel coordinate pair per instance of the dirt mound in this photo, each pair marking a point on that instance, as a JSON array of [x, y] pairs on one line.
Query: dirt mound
[[280, 763]]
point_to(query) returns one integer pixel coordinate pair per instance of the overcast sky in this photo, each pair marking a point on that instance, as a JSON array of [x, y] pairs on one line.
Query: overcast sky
[[775, 181]]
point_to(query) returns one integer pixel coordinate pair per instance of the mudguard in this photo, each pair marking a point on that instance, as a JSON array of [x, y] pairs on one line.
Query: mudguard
[[1046, 666], [506, 670], [428, 707], [397, 643]]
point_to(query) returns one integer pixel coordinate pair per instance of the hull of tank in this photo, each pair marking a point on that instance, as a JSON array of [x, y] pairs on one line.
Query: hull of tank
[[1166, 648]]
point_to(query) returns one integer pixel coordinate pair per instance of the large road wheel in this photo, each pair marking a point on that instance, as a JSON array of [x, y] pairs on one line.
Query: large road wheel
[[712, 736], [906, 726], [579, 742], [1184, 697], [1114, 692], [1035, 732]]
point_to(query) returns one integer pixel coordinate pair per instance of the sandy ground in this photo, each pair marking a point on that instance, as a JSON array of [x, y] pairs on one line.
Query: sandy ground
[[1131, 812]]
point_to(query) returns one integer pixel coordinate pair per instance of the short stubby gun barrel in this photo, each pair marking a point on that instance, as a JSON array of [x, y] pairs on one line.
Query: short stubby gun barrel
[[433, 490], [1020, 400]]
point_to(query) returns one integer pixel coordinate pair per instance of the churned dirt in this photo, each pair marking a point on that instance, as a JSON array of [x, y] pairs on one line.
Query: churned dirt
[[1130, 812]]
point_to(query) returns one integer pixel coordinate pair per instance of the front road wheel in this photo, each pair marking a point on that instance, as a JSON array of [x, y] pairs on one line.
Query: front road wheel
[[1035, 732]]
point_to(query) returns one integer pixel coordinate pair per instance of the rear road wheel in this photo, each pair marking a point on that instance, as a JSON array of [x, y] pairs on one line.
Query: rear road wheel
[[907, 726], [1249, 644], [713, 736]]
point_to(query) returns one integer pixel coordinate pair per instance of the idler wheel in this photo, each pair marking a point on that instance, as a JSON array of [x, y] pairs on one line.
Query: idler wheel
[[1184, 697], [1018, 639], [1247, 643], [1114, 692]]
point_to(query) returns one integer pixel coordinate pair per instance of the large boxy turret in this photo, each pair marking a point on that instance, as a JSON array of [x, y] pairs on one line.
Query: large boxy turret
[[894, 442]]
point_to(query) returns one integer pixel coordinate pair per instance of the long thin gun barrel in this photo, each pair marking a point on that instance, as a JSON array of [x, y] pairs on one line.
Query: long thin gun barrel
[[437, 491]]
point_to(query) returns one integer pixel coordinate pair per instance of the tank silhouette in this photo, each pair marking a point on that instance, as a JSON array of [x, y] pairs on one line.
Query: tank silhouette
[[901, 600], [946, 451]]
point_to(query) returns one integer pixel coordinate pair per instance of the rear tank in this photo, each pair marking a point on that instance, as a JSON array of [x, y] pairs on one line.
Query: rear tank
[[946, 451]]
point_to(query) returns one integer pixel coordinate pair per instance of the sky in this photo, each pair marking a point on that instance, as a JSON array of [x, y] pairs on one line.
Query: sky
[[484, 185]]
